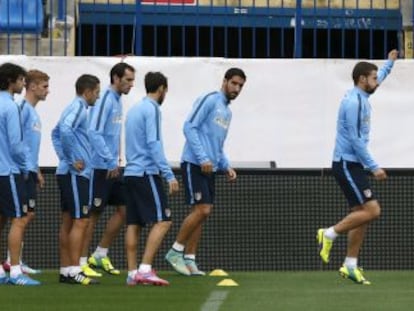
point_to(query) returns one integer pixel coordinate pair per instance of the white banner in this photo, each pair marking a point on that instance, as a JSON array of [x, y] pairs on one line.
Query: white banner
[[286, 112]]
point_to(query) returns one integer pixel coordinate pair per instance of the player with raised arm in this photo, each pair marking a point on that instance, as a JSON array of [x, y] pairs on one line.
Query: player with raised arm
[[350, 158]]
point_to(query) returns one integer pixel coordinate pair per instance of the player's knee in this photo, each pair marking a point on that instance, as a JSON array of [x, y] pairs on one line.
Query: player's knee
[[19, 223], [376, 212], [205, 210], [374, 209], [81, 223]]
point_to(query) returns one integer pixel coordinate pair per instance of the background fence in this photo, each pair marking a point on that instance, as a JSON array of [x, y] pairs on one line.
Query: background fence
[[267, 220], [213, 28]]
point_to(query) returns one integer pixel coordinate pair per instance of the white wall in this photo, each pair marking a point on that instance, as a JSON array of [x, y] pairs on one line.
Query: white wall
[[286, 112]]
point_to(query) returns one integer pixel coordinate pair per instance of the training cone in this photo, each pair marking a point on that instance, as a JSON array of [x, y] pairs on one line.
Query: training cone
[[227, 282], [218, 272]]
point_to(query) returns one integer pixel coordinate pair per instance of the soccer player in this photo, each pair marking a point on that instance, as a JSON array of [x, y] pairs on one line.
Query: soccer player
[[13, 167], [71, 144], [104, 132], [37, 88], [350, 157], [146, 200], [205, 131]]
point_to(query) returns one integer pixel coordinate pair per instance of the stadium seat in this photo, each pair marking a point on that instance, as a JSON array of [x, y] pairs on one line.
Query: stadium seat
[[21, 16]]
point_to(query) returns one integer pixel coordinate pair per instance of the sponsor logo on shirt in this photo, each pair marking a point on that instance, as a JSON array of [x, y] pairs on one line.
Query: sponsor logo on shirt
[[117, 119], [222, 122], [37, 127]]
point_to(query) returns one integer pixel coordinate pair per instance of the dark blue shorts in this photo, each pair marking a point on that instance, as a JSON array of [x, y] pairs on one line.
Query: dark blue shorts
[[106, 191], [31, 191], [74, 195], [353, 181], [146, 200], [199, 188], [12, 196]]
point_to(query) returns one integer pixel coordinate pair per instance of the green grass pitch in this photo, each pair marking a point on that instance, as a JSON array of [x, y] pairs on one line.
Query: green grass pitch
[[257, 291]]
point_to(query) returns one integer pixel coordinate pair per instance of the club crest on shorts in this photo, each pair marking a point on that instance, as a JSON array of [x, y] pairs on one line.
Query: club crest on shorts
[[368, 193], [32, 203], [85, 209], [197, 196], [97, 202], [24, 208], [168, 212]]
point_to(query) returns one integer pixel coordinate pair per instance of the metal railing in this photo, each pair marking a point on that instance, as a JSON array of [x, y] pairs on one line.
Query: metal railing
[[212, 28]]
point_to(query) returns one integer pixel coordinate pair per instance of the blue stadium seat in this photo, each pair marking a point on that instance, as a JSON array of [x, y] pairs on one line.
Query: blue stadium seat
[[21, 16]]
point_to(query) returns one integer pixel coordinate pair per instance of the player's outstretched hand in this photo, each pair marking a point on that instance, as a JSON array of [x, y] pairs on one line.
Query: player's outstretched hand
[[393, 54]]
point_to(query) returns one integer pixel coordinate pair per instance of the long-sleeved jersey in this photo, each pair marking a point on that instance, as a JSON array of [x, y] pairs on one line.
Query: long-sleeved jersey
[[143, 146], [353, 125], [105, 123], [13, 159], [206, 130], [70, 139], [32, 128]]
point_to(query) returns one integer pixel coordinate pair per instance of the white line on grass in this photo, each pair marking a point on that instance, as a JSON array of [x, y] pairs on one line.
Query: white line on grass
[[214, 301]]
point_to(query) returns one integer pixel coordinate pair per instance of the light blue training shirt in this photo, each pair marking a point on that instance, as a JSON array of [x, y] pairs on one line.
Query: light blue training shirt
[[105, 124], [70, 138], [32, 128], [353, 125], [13, 159], [206, 130], [143, 145]]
